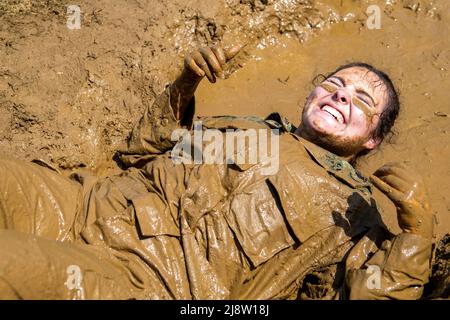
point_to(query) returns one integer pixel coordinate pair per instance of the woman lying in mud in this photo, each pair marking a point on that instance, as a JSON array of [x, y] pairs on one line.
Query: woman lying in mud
[[168, 230]]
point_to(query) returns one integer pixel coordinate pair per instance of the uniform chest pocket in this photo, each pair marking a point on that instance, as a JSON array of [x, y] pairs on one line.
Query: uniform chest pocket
[[154, 217], [258, 223]]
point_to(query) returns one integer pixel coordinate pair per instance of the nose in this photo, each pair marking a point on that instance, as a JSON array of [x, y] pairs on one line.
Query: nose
[[342, 96]]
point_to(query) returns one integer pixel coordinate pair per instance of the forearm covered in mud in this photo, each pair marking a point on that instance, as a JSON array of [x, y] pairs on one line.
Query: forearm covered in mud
[[182, 92], [398, 270], [152, 134]]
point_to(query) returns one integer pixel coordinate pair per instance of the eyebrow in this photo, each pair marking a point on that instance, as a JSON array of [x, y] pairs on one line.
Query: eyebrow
[[358, 90]]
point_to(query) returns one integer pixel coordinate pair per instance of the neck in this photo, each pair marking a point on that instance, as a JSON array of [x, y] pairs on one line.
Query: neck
[[301, 132]]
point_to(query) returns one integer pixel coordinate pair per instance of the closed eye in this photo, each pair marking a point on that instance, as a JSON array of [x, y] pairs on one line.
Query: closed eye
[[337, 81], [364, 100], [334, 82]]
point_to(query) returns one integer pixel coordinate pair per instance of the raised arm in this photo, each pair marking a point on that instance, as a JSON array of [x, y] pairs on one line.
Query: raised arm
[[174, 108], [209, 62]]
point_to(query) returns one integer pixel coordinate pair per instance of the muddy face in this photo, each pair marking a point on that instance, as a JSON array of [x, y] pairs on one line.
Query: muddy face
[[343, 111]]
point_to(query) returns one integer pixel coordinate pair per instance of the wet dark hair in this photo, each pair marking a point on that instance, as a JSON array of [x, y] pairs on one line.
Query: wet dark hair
[[392, 108]]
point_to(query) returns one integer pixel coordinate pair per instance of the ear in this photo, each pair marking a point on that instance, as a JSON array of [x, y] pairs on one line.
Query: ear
[[372, 143]]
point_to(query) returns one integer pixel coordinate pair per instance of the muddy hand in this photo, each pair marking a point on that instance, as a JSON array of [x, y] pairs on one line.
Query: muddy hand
[[408, 193], [209, 61]]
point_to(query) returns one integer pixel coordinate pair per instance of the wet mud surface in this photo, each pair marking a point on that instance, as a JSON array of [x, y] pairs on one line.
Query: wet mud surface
[[71, 97]]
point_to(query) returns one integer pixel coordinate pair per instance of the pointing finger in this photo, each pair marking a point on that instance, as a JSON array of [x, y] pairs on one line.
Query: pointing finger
[[393, 170], [392, 193], [398, 183]]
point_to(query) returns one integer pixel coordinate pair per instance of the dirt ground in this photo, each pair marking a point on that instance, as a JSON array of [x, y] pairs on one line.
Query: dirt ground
[[70, 97]]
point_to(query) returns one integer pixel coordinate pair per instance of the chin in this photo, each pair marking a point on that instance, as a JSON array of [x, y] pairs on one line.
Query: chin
[[318, 126], [322, 128], [324, 136]]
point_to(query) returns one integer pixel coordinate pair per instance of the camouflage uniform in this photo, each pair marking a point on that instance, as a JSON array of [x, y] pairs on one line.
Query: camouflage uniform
[[161, 230]]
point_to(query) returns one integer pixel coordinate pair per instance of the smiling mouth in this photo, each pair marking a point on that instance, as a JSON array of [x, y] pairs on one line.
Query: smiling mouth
[[333, 112]]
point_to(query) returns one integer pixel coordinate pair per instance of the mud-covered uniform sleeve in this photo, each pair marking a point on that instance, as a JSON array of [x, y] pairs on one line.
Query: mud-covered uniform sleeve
[[399, 269], [152, 134]]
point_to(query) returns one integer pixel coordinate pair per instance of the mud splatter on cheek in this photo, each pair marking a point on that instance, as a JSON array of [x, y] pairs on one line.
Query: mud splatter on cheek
[[363, 107], [328, 87]]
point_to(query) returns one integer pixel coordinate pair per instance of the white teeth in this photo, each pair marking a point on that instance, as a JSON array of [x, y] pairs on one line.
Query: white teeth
[[336, 114]]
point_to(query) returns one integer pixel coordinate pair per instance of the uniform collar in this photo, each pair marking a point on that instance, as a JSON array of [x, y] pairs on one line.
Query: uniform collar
[[275, 120], [336, 166]]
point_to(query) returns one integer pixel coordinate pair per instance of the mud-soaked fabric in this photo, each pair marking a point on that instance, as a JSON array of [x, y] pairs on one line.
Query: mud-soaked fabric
[[36, 268], [39, 201], [226, 231]]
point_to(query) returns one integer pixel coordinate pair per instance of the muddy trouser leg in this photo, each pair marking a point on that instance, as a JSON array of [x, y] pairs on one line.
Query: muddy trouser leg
[[36, 268], [39, 212], [37, 200]]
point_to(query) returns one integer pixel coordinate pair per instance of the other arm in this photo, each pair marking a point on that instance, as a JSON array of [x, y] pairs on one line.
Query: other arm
[[401, 267]]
